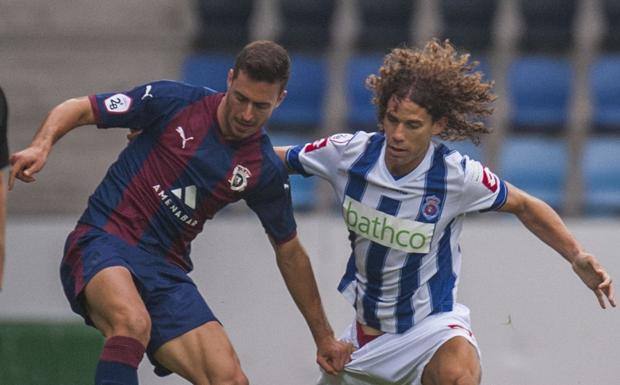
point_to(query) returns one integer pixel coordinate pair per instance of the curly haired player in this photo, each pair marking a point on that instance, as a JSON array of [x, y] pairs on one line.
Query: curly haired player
[[403, 198]]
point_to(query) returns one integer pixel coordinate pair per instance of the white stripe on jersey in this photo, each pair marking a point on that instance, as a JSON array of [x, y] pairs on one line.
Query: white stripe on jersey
[[392, 289]]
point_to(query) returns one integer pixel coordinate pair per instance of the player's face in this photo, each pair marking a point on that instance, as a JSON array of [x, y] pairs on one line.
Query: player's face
[[248, 105], [408, 129]]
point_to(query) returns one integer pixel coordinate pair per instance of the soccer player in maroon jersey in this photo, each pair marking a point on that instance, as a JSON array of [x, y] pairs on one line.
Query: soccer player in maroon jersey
[[125, 265]]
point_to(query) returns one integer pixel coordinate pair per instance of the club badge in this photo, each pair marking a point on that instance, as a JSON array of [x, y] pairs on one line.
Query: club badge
[[430, 209], [239, 179]]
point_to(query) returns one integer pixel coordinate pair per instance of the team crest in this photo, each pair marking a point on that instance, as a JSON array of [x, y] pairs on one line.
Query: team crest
[[239, 179], [430, 209]]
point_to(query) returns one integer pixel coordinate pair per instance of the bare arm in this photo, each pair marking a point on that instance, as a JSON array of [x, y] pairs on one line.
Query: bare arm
[[61, 119], [296, 270], [281, 153], [547, 225]]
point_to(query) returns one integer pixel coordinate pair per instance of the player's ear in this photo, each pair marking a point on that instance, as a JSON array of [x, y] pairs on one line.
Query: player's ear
[[439, 125], [281, 97], [229, 77]]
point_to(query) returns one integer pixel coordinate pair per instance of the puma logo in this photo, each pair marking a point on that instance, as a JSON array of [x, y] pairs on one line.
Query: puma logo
[[147, 93], [183, 138]]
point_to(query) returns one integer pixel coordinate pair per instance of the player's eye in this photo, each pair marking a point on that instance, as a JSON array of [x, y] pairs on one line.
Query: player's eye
[[392, 118]]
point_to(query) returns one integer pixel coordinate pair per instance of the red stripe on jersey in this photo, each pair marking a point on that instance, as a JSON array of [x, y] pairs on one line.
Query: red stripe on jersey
[[164, 165], [248, 155], [73, 258]]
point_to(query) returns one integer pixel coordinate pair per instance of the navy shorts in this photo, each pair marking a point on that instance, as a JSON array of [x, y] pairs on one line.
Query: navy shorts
[[171, 297]]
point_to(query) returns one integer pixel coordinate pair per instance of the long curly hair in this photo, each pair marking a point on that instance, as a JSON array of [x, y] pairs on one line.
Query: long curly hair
[[440, 80]]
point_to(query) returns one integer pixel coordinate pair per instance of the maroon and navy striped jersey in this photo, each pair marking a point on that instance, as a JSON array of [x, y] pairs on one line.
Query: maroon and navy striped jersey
[[180, 171]]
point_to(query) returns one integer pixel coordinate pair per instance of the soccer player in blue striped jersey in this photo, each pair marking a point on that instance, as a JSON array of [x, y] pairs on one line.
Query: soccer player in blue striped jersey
[[125, 265], [403, 199]]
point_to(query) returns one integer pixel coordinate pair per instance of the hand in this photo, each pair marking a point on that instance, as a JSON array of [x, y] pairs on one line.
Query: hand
[[25, 163], [595, 277], [333, 355], [133, 133]]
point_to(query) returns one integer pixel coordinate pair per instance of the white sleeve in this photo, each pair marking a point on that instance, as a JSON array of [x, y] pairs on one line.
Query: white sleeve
[[482, 189], [319, 157]]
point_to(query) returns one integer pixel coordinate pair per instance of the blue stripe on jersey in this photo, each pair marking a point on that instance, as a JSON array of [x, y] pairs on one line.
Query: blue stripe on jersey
[[375, 261], [431, 207], [500, 199], [349, 274], [432, 203], [409, 283], [442, 283], [292, 159], [356, 185]]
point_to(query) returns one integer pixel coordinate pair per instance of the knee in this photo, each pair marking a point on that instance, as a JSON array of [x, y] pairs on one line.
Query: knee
[[236, 377], [132, 323]]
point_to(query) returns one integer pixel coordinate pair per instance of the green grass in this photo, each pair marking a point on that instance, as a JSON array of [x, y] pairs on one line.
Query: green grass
[[45, 353]]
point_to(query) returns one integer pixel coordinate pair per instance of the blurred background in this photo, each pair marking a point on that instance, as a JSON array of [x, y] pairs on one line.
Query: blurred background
[[556, 66]]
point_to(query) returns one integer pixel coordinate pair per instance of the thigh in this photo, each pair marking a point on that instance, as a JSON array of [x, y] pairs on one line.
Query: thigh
[[456, 358], [114, 304], [202, 355]]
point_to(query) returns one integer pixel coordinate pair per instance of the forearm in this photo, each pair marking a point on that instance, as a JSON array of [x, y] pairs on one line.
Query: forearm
[[299, 278], [547, 225], [62, 119]]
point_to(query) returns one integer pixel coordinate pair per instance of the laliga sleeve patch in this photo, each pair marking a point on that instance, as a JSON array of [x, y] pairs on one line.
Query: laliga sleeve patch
[[489, 180], [117, 104], [341, 138], [315, 145]]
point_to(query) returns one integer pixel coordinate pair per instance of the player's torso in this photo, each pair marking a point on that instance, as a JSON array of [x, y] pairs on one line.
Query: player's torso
[[173, 177], [402, 231]]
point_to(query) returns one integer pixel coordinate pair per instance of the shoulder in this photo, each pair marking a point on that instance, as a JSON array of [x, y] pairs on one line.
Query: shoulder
[[171, 89]]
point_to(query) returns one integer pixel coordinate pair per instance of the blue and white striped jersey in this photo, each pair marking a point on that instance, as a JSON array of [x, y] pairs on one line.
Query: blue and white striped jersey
[[404, 232]]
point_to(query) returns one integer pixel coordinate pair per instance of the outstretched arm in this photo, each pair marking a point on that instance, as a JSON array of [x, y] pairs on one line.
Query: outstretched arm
[[547, 225], [296, 270], [281, 153], [61, 119]]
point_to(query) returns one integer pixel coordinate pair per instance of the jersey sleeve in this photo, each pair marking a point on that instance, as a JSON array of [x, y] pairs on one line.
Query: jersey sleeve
[[273, 205], [319, 157], [141, 107], [482, 190]]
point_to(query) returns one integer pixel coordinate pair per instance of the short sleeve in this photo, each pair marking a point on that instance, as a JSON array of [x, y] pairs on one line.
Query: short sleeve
[[273, 205], [319, 157], [482, 190], [144, 106]]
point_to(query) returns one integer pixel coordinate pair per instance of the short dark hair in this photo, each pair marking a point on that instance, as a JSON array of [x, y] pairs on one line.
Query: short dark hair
[[264, 61]]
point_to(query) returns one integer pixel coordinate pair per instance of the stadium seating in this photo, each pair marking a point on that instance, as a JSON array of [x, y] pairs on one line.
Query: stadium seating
[[539, 89], [302, 109], [537, 165], [384, 24], [548, 25], [611, 34], [605, 94], [601, 175], [306, 25], [468, 26], [361, 113], [208, 69], [223, 24]]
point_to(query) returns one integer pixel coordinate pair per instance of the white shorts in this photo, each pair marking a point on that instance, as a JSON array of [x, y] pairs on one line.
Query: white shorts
[[400, 358]]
